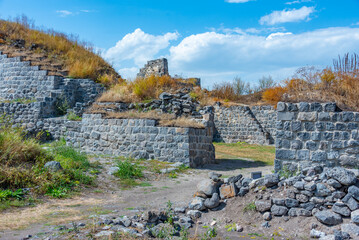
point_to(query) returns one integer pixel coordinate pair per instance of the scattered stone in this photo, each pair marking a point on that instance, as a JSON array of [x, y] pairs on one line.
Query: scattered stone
[[290, 202], [299, 185], [197, 203], [293, 212], [342, 175], [194, 214], [214, 176], [53, 166], [316, 234], [350, 228], [263, 206], [267, 216], [322, 190], [328, 217], [271, 180], [208, 187], [334, 183], [227, 191], [278, 210], [112, 170], [239, 228], [355, 216], [235, 178], [341, 208], [104, 233], [212, 202], [352, 204], [180, 210], [354, 192], [266, 224]]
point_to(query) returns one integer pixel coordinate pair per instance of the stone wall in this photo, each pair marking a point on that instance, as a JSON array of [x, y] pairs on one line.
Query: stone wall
[[315, 133], [141, 138], [19, 80], [158, 67], [255, 125]]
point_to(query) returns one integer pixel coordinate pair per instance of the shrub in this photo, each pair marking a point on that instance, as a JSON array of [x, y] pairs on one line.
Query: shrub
[[274, 95], [128, 170]]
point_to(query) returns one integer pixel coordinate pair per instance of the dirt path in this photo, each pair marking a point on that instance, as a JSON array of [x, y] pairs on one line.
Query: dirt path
[[107, 198]]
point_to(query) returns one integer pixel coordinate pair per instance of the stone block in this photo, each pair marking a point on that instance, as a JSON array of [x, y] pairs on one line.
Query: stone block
[[307, 116], [319, 156], [286, 116], [285, 154]]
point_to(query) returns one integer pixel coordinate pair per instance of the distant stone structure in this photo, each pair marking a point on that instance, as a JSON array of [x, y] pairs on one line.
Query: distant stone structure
[[158, 67]]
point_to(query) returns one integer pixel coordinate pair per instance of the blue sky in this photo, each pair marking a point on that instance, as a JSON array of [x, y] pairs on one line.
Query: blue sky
[[213, 39]]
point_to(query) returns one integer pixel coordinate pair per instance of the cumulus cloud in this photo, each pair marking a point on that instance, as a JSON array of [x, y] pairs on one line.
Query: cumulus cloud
[[287, 15], [138, 47], [220, 56], [238, 1]]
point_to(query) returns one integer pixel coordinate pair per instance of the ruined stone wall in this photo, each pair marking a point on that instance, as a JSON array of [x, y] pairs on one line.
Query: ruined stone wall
[[19, 80], [315, 133], [255, 125], [158, 67], [141, 138]]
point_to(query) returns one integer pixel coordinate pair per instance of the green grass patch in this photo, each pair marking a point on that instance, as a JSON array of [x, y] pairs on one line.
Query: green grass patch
[[250, 207], [258, 153], [22, 161], [73, 117]]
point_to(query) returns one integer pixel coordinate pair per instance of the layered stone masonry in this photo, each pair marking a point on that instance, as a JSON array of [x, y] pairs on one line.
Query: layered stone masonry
[[141, 138], [316, 133], [254, 125], [20, 83], [158, 67]]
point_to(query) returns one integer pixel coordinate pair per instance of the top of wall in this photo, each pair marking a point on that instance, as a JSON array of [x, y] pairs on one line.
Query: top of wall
[[308, 107], [158, 67]]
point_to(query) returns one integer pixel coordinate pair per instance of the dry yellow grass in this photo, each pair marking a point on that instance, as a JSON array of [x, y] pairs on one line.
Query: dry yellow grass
[[164, 119], [180, 122], [78, 58], [23, 218]]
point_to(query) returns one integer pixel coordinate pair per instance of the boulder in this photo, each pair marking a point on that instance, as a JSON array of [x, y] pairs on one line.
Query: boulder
[[293, 212], [212, 202], [263, 206], [342, 175], [53, 166], [355, 216], [243, 191], [350, 228], [228, 191], [278, 210], [290, 202], [235, 178], [194, 214], [208, 187], [354, 192], [322, 190], [316, 234], [328, 217], [214, 176], [341, 208], [271, 180], [267, 216], [197, 203]]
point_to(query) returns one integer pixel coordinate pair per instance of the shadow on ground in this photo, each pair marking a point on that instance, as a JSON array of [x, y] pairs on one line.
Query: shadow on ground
[[223, 164]]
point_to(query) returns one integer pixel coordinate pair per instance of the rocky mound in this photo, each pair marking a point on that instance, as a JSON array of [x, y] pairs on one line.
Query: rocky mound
[[329, 195]]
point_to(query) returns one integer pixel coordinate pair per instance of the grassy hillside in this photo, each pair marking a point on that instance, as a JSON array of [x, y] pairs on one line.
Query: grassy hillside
[[77, 58]]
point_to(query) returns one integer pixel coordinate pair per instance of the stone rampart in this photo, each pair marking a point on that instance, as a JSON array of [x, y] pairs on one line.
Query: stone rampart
[[316, 134], [255, 125], [141, 138]]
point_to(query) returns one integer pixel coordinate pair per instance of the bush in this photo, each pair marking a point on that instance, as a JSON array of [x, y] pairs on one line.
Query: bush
[[338, 84], [128, 170]]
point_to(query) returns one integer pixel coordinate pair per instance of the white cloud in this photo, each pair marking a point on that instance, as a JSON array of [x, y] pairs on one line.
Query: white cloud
[[298, 1], [64, 13], [238, 1], [292, 15], [221, 56], [138, 47]]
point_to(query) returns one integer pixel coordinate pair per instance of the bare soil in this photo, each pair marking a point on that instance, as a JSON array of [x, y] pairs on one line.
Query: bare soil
[[107, 199]]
